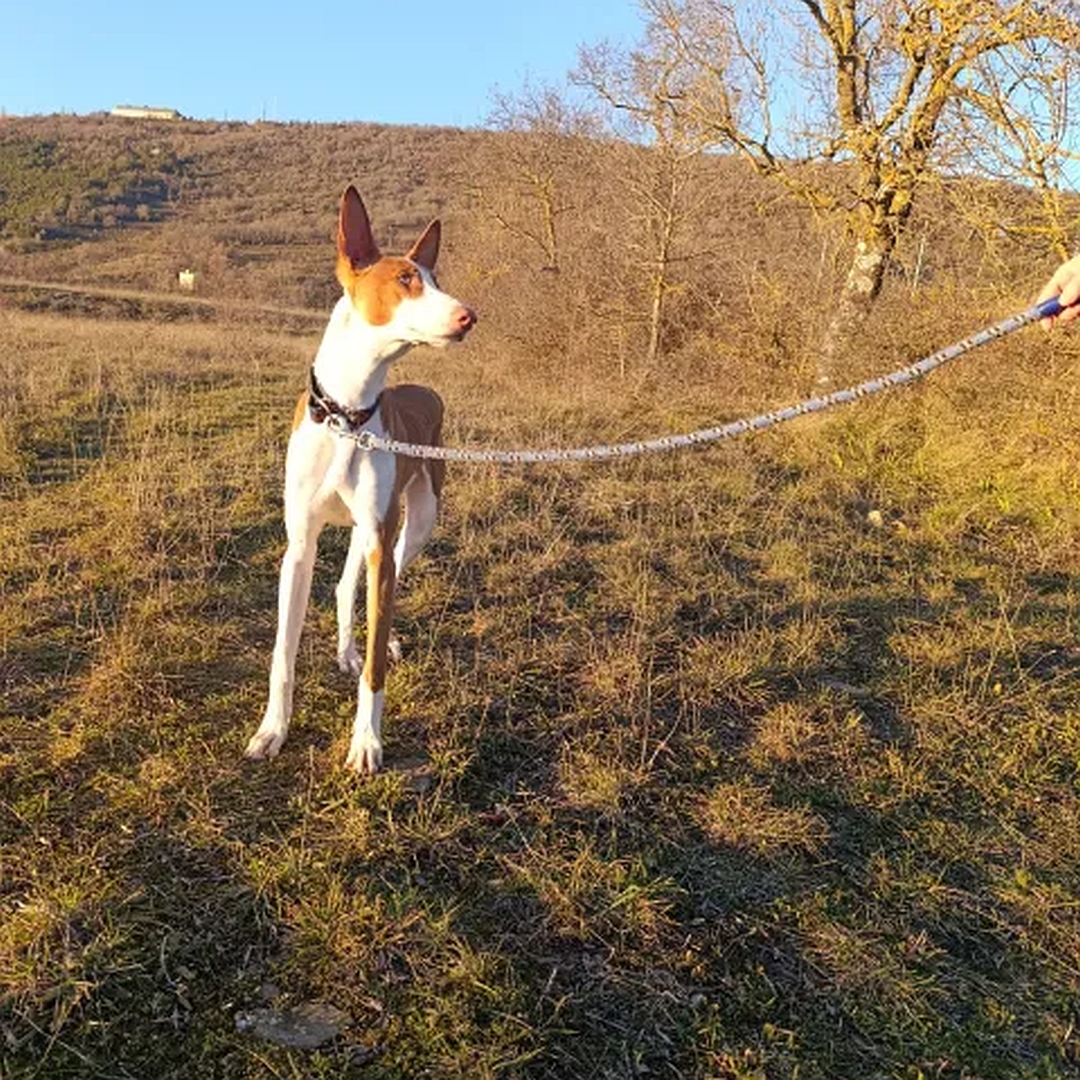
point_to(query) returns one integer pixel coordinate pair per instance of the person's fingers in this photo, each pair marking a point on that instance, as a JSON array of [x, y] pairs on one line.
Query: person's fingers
[[1070, 294], [1065, 284]]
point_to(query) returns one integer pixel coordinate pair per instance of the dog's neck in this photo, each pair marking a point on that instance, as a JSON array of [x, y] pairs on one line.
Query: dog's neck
[[354, 357]]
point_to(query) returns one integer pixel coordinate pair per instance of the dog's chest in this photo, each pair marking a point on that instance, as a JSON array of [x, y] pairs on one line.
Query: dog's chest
[[364, 482]]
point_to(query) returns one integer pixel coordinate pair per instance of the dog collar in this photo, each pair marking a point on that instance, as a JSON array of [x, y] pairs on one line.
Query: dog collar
[[321, 406]]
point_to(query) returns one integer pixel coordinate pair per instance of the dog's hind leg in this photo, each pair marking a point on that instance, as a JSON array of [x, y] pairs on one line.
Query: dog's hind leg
[[348, 655], [421, 511]]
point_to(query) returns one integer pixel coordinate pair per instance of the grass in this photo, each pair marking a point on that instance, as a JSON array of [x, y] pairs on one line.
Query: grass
[[730, 777], [55, 188]]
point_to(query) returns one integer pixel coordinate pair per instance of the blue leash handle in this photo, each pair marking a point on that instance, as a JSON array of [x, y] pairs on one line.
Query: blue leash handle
[[1049, 308]]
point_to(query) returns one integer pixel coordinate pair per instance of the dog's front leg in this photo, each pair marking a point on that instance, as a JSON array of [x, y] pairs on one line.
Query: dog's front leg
[[293, 591], [348, 655], [365, 749]]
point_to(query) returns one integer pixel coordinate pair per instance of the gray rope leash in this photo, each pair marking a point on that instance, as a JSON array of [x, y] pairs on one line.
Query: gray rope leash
[[368, 441]]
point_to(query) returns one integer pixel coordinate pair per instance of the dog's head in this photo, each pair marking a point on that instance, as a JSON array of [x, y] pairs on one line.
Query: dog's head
[[397, 293]]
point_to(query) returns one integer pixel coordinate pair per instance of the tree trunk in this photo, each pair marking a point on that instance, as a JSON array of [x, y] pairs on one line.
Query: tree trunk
[[861, 288], [659, 285], [656, 317]]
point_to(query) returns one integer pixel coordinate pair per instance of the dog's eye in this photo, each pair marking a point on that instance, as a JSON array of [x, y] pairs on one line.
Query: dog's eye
[[405, 278]]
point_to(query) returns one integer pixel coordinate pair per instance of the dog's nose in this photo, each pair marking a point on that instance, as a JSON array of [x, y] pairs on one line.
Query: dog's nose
[[464, 319]]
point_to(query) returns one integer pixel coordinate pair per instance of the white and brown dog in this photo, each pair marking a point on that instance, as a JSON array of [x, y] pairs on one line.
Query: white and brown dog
[[389, 305]]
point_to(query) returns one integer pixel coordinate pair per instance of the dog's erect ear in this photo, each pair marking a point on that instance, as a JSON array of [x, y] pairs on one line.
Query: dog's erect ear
[[426, 250], [355, 240]]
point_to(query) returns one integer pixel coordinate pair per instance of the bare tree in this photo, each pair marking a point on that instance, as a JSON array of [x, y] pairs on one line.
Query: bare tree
[[526, 192], [663, 182], [894, 92], [538, 190]]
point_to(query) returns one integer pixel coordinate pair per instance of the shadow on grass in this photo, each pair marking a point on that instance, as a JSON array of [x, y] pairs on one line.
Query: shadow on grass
[[149, 975]]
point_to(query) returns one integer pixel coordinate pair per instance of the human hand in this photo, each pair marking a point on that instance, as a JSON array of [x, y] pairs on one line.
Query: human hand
[[1065, 285]]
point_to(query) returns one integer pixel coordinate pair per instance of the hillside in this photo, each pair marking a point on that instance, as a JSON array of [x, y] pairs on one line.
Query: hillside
[[115, 203], [245, 205]]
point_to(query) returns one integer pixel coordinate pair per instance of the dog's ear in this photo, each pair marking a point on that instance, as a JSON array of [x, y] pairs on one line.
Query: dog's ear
[[356, 243], [426, 250]]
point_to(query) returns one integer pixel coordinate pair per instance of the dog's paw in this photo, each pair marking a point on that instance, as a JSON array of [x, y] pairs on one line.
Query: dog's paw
[[265, 743], [365, 755], [393, 648], [350, 661]]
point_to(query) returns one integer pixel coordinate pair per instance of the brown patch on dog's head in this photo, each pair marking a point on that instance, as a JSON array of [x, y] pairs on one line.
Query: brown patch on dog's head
[[377, 291], [378, 283]]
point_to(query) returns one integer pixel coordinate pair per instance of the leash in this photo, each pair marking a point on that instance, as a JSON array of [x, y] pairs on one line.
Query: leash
[[368, 441]]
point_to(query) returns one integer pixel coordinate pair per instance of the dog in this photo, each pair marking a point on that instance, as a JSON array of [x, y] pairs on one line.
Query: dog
[[388, 305]]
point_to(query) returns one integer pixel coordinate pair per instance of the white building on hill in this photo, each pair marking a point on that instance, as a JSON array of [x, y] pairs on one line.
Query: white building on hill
[[146, 112]]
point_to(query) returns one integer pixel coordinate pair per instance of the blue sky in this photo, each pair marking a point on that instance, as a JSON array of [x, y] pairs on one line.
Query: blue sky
[[415, 61]]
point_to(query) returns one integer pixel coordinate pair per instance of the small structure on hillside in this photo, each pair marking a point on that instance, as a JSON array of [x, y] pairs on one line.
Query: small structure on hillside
[[186, 280], [146, 112]]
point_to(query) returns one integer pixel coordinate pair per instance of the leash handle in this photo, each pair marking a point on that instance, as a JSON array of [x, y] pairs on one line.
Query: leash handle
[[1049, 308]]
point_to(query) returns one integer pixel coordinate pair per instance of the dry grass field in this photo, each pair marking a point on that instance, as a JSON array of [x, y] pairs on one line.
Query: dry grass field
[[757, 762]]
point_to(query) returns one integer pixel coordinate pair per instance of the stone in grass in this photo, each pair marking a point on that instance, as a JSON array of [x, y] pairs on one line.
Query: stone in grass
[[305, 1027]]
